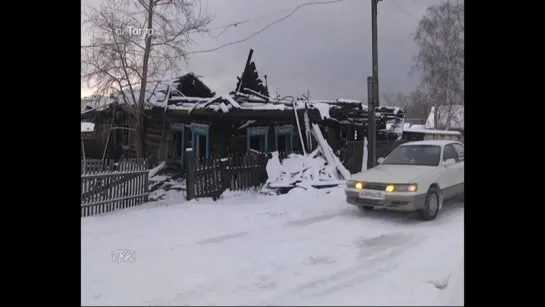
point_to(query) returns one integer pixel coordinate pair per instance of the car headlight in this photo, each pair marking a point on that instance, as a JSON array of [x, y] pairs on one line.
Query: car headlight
[[354, 184], [402, 188]]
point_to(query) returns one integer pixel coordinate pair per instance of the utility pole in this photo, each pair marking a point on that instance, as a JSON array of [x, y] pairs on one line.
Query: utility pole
[[371, 123], [374, 34], [372, 92]]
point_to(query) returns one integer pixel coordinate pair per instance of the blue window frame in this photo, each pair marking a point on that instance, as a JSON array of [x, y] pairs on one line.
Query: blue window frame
[[197, 131], [258, 132], [283, 130]]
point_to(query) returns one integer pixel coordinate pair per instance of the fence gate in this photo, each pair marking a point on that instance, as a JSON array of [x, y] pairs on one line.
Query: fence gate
[[384, 148], [211, 177], [352, 156], [109, 190]]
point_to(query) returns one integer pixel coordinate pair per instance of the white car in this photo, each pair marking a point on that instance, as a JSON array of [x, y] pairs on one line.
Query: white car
[[416, 176]]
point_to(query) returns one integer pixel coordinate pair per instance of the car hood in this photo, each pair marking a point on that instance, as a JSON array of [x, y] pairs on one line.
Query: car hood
[[392, 173]]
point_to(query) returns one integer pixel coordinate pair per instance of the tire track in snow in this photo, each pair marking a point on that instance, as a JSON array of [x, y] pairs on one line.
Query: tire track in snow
[[222, 238], [353, 214], [387, 247], [375, 260], [281, 225], [312, 220]]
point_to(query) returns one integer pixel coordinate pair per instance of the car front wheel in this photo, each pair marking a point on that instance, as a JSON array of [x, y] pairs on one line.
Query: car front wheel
[[431, 205]]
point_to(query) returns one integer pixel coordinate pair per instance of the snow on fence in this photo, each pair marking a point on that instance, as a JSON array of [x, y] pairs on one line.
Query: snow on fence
[[98, 165], [111, 186], [237, 172]]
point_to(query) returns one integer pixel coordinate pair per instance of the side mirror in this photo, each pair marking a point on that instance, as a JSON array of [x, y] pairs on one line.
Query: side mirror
[[380, 160], [448, 162]]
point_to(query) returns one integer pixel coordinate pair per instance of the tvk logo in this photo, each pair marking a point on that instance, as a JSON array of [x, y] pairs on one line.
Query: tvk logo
[[123, 255]]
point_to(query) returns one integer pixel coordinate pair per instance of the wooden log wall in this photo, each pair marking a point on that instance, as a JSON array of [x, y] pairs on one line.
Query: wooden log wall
[[155, 132]]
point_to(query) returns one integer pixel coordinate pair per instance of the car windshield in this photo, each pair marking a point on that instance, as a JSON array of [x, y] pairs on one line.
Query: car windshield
[[427, 155]]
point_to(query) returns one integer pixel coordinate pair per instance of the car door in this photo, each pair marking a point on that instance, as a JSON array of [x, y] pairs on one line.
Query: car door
[[449, 173], [459, 148]]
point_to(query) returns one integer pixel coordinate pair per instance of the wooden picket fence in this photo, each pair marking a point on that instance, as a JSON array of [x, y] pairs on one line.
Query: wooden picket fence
[[352, 155], [237, 172], [113, 186], [98, 165]]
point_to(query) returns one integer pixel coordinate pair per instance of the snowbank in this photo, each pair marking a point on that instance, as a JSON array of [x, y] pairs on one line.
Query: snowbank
[[165, 187], [154, 171], [307, 172], [298, 167], [319, 169]]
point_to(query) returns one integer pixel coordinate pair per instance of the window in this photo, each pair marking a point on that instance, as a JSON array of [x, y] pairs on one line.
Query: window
[[425, 155], [126, 137], [459, 151], [449, 153]]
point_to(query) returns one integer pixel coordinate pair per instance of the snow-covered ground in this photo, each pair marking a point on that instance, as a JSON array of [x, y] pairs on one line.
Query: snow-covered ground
[[302, 248]]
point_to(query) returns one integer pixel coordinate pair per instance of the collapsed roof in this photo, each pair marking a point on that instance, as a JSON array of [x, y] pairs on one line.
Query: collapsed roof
[[177, 96]]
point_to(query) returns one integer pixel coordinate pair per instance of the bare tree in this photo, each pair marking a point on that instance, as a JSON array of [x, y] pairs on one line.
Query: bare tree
[[135, 42], [440, 61], [414, 103]]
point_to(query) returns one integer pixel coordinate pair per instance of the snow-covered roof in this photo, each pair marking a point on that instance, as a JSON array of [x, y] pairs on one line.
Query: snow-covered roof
[[239, 101], [156, 93], [430, 142], [449, 117], [87, 127], [395, 125], [343, 110], [432, 131], [413, 126], [167, 96]]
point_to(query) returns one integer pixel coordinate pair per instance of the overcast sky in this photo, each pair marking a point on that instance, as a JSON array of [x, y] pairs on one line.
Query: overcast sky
[[325, 49]]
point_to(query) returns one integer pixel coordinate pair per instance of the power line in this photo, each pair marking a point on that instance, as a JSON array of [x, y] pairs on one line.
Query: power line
[[238, 23], [241, 22], [264, 28], [404, 10]]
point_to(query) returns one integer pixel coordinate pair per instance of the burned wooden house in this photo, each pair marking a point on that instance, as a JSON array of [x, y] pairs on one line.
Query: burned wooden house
[[185, 113], [217, 125]]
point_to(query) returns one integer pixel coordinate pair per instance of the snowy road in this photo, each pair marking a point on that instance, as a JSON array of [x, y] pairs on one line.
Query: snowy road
[[304, 248]]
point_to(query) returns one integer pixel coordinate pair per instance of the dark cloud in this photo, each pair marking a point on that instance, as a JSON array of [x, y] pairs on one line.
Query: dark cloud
[[325, 49]]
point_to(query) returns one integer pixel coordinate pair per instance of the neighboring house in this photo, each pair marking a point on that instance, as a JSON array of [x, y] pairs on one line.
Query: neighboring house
[[418, 134], [89, 99], [449, 117], [90, 148]]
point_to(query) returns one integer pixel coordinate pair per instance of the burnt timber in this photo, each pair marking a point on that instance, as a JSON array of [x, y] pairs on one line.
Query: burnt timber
[[216, 125]]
